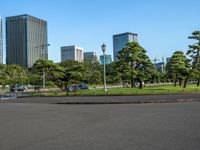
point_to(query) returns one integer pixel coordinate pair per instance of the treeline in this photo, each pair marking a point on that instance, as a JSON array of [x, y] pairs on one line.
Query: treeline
[[182, 68], [133, 67]]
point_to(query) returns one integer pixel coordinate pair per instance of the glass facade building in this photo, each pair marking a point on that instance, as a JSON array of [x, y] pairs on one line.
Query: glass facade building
[[26, 40], [72, 53], [120, 41], [108, 59], [1, 41]]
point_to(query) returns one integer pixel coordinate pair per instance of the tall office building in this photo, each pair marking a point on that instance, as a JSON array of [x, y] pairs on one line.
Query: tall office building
[[108, 59], [1, 42], [120, 41], [72, 53], [90, 57], [26, 40]]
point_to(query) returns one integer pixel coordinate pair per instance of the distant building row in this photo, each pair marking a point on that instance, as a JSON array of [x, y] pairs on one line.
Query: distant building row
[[76, 53], [26, 42]]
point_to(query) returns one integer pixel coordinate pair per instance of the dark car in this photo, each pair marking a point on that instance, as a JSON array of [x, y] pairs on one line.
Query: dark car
[[83, 86], [16, 88]]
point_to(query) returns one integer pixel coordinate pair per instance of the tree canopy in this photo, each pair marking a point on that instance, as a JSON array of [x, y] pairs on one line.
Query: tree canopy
[[134, 64], [194, 53], [177, 67]]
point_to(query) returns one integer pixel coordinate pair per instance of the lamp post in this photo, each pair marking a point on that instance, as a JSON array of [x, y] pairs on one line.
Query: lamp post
[[44, 55], [104, 65]]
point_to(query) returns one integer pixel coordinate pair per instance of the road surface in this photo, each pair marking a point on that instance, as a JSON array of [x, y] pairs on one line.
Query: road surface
[[160, 126]]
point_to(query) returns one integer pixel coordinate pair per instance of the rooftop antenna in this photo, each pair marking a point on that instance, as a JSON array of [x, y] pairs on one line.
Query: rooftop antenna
[[155, 60]]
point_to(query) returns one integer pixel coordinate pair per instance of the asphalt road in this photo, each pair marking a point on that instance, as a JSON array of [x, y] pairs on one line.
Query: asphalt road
[[166, 126]]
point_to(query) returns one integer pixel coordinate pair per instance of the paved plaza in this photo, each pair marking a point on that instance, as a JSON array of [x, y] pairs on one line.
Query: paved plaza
[[47, 126]]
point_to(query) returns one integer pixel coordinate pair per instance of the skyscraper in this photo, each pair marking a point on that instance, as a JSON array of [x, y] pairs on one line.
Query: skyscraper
[[1, 42], [72, 53], [120, 41], [26, 40]]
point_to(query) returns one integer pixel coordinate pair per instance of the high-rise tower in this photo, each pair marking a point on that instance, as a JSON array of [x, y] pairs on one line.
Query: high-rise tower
[[26, 40], [120, 41]]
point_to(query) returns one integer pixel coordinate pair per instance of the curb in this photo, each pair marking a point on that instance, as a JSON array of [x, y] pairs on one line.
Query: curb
[[128, 102]]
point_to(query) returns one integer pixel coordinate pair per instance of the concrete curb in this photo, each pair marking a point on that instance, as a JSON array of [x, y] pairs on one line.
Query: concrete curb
[[128, 102]]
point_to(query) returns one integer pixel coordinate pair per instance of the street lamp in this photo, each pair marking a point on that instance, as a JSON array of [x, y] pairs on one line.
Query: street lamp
[[104, 65], [44, 55]]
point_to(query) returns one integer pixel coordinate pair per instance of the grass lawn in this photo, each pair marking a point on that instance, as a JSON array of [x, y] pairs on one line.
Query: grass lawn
[[4, 90], [127, 91]]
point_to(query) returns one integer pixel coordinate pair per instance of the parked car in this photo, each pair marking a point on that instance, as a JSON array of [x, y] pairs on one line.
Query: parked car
[[76, 87], [83, 86], [73, 88], [16, 88]]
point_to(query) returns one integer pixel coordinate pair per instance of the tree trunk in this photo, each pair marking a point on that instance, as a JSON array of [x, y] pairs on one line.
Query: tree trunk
[[60, 86], [185, 83], [140, 84], [132, 77], [180, 82], [67, 89], [132, 82], [175, 83], [198, 82]]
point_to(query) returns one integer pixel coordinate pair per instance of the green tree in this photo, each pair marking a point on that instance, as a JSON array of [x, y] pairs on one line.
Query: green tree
[[42, 67], [194, 53], [52, 71], [2, 74], [73, 72], [112, 73], [92, 73], [177, 67], [62, 74], [15, 75], [34, 79], [134, 64], [156, 76]]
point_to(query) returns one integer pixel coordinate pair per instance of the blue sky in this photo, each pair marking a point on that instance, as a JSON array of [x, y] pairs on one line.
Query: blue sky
[[162, 25]]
